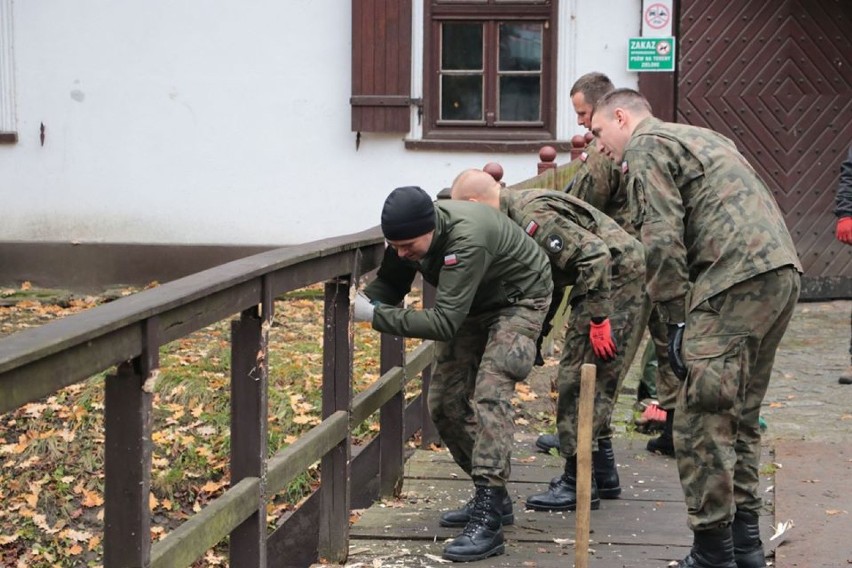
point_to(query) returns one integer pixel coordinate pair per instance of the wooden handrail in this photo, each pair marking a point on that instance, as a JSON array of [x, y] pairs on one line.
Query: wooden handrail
[[39, 361]]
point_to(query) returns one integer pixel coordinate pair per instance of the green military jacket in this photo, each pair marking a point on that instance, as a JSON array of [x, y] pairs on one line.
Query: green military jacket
[[587, 249], [478, 261], [707, 217], [599, 182]]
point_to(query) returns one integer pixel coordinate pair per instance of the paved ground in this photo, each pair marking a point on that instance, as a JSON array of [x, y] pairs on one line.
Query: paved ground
[[810, 431]]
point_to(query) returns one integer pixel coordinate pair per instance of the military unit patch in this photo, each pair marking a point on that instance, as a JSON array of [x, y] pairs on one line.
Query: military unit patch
[[554, 243], [531, 228], [451, 260]]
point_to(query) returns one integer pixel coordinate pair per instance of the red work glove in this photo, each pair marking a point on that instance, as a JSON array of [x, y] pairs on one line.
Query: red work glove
[[844, 230], [600, 335]]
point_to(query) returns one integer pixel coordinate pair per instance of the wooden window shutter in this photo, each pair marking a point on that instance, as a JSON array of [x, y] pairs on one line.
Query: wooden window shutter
[[381, 65]]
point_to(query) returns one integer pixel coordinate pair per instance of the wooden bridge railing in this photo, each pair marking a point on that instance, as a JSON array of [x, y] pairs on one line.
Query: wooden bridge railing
[[129, 333]]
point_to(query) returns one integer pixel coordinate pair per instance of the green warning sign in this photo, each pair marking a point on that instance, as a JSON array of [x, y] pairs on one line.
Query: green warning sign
[[651, 54]]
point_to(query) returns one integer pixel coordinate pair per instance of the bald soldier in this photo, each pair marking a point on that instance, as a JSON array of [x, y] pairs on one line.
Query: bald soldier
[[710, 228], [605, 267], [493, 290]]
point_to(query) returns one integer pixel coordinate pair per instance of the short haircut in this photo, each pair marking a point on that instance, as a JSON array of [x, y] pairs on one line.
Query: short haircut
[[593, 85], [624, 98]]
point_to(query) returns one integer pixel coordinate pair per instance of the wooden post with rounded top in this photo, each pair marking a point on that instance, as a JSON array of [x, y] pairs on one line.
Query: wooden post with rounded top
[[495, 169], [547, 157], [588, 373]]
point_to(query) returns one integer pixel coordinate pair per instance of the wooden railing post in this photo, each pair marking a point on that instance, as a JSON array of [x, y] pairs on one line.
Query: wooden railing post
[[495, 170], [578, 144], [336, 395], [428, 434], [391, 421], [249, 412], [547, 157], [127, 455]]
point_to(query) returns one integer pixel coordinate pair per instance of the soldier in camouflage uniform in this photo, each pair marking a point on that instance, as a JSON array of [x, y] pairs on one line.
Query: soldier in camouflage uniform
[[493, 290], [598, 180], [724, 272], [605, 267], [843, 230]]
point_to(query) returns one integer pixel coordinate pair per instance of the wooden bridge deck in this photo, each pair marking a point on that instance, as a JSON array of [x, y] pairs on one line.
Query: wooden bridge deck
[[646, 527]]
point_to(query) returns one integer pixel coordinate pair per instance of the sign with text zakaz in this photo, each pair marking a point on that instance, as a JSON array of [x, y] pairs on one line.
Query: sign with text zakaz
[[648, 54]]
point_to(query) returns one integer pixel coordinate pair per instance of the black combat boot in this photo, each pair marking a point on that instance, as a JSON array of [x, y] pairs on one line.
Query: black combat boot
[[664, 443], [483, 535], [562, 495], [460, 517], [712, 548], [547, 442], [606, 474], [748, 549]]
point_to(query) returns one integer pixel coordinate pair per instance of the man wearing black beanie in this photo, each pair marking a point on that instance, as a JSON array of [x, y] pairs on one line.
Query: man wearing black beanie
[[493, 290]]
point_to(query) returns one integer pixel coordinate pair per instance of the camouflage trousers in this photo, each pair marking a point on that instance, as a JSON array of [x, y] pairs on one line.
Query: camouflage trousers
[[729, 349], [667, 383], [473, 382], [627, 326]]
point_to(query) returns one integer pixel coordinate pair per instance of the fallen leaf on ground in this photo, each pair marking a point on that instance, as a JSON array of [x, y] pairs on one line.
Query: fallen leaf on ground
[[781, 528]]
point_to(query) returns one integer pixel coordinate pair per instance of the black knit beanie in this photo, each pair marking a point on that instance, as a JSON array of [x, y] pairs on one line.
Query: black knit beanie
[[408, 213]]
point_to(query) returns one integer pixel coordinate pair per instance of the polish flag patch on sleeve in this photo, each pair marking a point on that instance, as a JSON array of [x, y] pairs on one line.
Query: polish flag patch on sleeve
[[451, 259], [531, 228], [584, 156]]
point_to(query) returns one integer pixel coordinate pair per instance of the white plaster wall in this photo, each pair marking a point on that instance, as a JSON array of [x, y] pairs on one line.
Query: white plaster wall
[[223, 122]]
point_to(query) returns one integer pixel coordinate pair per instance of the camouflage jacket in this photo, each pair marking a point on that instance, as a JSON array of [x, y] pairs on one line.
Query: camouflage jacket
[[707, 218], [478, 261], [843, 206], [599, 182], [587, 249]]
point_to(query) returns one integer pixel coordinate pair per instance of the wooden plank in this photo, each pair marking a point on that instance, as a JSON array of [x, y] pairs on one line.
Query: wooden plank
[[203, 530], [41, 360], [620, 521], [295, 459], [249, 378], [294, 543], [34, 343], [420, 359], [127, 467], [634, 484], [588, 372], [391, 421], [643, 476], [413, 554], [336, 396], [373, 397]]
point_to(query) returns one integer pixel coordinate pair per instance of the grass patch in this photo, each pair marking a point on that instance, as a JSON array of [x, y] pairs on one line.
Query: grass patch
[[51, 483]]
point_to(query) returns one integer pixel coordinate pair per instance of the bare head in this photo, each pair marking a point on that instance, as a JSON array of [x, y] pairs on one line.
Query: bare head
[[476, 185], [586, 93], [615, 117]]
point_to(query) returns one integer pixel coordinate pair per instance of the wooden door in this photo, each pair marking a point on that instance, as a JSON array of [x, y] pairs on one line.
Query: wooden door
[[776, 77]]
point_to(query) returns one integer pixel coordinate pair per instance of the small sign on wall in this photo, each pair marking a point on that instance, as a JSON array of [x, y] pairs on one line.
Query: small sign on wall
[[647, 54], [657, 18]]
